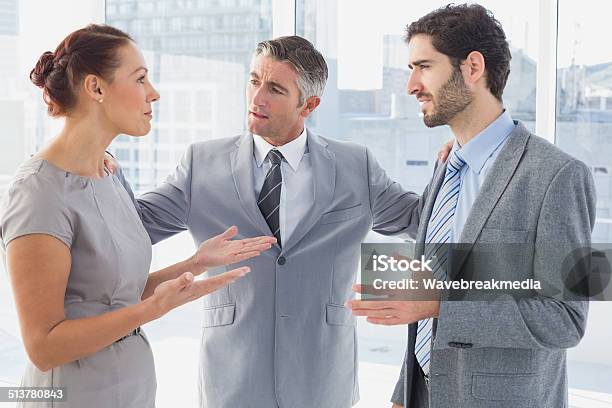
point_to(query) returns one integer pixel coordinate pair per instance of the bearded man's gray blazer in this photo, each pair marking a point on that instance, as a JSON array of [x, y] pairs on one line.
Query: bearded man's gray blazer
[[510, 353]]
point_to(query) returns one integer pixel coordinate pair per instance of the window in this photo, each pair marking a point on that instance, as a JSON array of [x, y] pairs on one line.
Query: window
[[200, 72], [25, 125], [122, 154], [365, 101], [584, 115], [584, 130]]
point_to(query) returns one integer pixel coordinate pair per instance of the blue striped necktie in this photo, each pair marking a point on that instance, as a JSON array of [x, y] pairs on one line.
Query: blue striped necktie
[[439, 229]]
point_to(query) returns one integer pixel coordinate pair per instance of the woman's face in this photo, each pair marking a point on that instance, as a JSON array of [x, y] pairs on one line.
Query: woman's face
[[127, 99]]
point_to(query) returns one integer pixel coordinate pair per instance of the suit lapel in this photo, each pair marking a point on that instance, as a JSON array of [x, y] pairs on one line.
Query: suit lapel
[[242, 172], [492, 189], [323, 164]]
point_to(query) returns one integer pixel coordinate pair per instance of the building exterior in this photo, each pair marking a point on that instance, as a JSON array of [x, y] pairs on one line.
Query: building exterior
[[198, 54]]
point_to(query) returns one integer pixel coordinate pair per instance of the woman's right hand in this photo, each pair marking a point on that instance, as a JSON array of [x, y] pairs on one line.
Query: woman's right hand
[[224, 250], [176, 292]]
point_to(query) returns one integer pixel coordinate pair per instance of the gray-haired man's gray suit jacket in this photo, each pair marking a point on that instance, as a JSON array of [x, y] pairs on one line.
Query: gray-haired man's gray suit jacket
[[281, 336], [510, 354]]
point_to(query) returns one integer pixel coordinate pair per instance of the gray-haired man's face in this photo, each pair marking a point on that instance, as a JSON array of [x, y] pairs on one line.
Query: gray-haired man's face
[[273, 100]]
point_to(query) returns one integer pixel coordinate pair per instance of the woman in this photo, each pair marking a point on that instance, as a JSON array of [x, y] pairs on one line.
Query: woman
[[77, 254]]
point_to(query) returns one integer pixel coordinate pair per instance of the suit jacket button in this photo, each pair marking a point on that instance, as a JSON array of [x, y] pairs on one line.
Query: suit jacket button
[[281, 260]]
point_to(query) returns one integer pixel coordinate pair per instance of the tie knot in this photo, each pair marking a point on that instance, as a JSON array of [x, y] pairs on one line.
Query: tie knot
[[275, 156], [455, 162]]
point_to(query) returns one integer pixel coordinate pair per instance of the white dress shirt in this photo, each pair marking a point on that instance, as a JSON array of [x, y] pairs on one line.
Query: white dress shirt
[[297, 190]]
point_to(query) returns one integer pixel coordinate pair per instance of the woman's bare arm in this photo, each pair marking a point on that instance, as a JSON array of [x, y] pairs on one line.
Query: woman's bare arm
[[39, 266]]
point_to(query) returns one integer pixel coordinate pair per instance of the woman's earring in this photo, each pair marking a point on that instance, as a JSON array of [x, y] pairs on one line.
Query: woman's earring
[[100, 100]]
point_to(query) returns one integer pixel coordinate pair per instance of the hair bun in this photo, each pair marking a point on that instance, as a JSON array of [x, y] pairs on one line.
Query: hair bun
[[90, 50], [43, 68]]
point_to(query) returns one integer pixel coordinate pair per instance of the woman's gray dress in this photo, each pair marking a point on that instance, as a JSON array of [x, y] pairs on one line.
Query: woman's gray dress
[[111, 254]]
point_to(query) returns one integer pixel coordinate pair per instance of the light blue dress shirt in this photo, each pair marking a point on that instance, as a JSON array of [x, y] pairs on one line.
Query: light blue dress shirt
[[297, 191], [479, 154]]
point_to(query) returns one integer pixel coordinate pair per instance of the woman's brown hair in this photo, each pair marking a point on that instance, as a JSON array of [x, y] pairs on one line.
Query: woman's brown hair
[[89, 50]]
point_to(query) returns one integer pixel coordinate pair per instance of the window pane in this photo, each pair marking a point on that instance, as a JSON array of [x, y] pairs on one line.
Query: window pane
[[365, 101], [198, 54], [584, 130], [584, 100], [24, 123]]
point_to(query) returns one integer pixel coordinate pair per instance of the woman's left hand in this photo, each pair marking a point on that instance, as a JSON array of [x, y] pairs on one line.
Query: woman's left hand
[[222, 250]]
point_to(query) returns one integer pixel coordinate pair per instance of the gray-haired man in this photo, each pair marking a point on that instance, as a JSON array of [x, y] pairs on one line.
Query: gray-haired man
[[281, 337]]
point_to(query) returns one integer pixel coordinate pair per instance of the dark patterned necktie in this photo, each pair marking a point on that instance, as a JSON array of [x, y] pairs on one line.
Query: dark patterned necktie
[[269, 197]]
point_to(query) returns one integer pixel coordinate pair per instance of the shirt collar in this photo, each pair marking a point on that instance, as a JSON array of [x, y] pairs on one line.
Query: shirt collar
[[292, 151], [478, 150]]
